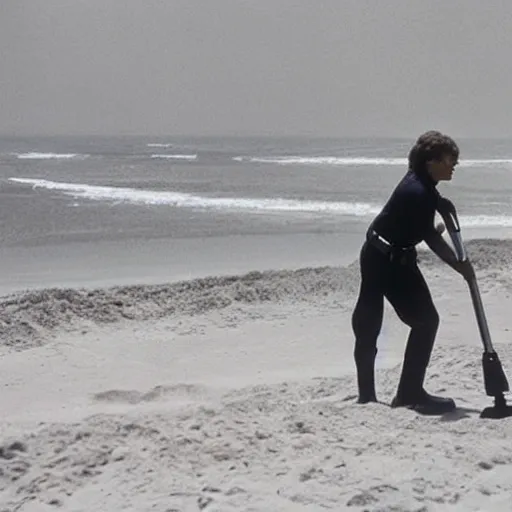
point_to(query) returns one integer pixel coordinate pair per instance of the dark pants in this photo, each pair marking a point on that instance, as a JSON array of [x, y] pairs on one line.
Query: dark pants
[[405, 288]]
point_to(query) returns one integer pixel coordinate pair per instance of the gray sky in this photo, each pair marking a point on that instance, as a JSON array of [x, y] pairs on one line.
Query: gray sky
[[267, 67]]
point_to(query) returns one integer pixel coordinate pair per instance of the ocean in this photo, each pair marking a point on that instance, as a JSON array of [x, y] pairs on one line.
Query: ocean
[[90, 211]]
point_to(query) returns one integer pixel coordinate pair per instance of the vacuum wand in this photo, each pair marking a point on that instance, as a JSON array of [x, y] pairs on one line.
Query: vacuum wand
[[454, 232], [480, 315], [452, 223], [495, 379]]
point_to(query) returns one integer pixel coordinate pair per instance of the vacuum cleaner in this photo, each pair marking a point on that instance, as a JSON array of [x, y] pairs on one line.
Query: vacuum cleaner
[[495, 379]]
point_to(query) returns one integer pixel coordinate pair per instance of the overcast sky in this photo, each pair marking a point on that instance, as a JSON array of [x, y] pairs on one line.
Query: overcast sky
[[262, 67]]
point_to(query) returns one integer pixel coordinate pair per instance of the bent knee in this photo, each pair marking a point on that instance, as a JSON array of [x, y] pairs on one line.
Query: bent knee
[[428, 320]]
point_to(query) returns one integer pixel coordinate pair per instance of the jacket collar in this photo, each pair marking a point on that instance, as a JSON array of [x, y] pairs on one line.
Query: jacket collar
[[426, 179]]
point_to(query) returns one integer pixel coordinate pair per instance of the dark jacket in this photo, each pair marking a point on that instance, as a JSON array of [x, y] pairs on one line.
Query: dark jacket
[[408, 215]]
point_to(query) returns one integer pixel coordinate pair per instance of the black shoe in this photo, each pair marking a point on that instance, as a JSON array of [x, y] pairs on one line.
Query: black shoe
[[424, 403], [365, 398]]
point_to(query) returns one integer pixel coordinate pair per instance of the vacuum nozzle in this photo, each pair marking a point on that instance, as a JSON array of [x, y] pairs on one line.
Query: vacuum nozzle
[[499, 410], [495, 379]]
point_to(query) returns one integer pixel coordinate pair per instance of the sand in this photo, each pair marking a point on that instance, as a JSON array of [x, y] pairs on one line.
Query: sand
[[237, 393]]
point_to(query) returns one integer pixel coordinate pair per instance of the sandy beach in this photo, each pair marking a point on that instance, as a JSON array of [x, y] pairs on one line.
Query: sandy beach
[[185, 188], [237, 393]]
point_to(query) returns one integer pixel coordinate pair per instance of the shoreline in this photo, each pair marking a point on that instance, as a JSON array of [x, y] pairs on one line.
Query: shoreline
[[157, 261]]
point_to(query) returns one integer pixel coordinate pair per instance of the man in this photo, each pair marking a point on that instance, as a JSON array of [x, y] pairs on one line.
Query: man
[[389, 269]]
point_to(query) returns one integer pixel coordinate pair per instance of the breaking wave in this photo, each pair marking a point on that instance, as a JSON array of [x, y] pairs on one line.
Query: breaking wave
[[257, 205], [181, 199], [176, 157], [49, 156], [321, 160], [184, 200], [360, 161]]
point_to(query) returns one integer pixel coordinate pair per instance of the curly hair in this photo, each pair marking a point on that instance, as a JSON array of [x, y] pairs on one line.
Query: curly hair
[[431, 145]]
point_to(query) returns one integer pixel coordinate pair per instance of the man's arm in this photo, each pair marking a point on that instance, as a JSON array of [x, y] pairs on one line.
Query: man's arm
[[439, 246]]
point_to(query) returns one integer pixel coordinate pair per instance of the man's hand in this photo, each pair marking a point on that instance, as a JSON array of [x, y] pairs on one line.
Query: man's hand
[[465, 269], [439, 246]]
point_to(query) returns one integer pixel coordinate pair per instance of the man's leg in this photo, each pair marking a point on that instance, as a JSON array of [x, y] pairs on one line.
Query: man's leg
[[408, 293], [366, 324]]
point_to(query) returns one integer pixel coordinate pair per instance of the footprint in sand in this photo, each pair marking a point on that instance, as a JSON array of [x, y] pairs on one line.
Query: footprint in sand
[[182, 393]]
